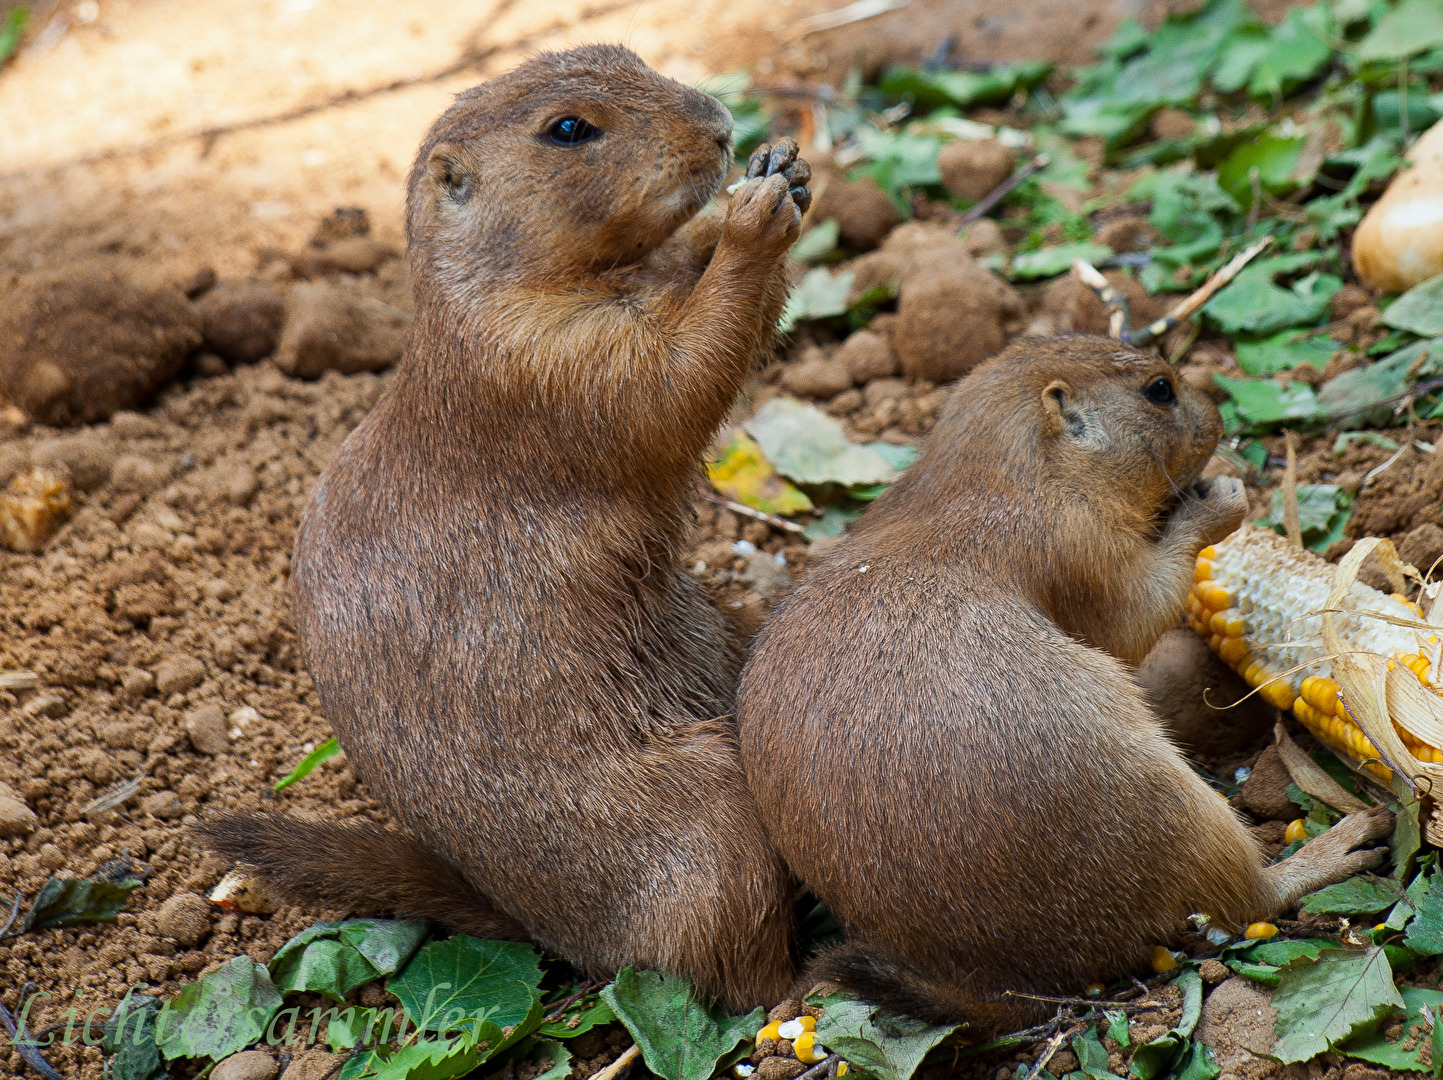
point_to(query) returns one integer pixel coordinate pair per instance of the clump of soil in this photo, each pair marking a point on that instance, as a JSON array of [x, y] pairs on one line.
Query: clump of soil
[[970, 168], [863, 212], [78, 345]]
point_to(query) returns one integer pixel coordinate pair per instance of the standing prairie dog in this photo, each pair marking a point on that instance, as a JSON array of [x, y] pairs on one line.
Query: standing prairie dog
[[487, 577], [941, 723]]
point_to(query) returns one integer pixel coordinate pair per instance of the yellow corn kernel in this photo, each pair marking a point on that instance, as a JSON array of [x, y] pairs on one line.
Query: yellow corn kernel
[[770, 1031], [1278, 693], [1209, 553], [1202, 571], [1254, 672], [1234, 650], [1214, 597], [807, 1049], [841, 1068], [1260, 931], [1163, 960], [1321, 693], [1295, 831]]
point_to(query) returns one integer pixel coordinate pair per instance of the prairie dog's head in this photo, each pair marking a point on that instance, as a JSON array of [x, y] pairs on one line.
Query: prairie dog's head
[[578, 160], [1086, 413]]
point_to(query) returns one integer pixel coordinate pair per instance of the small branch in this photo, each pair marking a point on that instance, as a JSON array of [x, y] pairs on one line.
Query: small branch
[[14, 911], [556, 1013], [1053, 1044], [617, 1066], [30, 1053], [831, 20], [1077, 1001], [747, 511], [821, 1068], [1291, 523], [1002, 190], [1117, 307]]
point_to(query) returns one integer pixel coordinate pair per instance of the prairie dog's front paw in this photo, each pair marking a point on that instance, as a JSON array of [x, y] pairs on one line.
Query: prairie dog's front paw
[[767, 209], [1212, 509]]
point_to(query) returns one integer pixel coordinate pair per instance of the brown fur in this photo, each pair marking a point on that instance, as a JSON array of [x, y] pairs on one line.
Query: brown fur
[[487, 577], [941, 723]]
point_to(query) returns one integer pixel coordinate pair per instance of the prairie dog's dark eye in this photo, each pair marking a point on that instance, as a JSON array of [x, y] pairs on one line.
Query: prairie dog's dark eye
[[570, 130], [1160, 392]]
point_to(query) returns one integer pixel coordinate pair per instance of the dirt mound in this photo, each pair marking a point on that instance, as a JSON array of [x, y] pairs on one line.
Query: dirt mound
[[78, 345]]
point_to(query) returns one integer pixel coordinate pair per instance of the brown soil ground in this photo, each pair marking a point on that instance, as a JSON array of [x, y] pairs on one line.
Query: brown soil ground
[[161, 137]]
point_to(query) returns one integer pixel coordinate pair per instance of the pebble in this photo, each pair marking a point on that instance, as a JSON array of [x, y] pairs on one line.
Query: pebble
[[312, 1065], [247, 1065], [163, 804], [185, 917], [867, 356], [179, 674], [817, 377], [16, 818], [206, 727]]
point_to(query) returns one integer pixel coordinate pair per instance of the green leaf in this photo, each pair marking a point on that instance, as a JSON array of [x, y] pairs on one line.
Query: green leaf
[[816, 243], [1117, 1027], [554, 1056], [681, 1038], [1368, 394], [73, 901], [1360, 895], [221, 1014], [323, 753], [1092, 1056], [1051, 261], [1241, 55], [10, 29], [1262, 962], [1407, 836], [810, 447], [1197, 1064], [820, 295], [1156, 1057], [128, 1040], [579, 1020], [1412, 27], [1297, 50], [1323, 510], [1254, 303], [334, 958], [1420, 309], [879, 1044], [1262, 401], [464, 983], [1393, 1054], [1274, 158], [1324, 1002], [1425, 931], [432, 1059], [742, 472], [964, 89], [1284, 351]]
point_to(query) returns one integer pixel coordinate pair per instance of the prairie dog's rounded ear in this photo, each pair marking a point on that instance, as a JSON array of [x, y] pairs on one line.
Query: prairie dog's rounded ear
[[1056, 404], [450, 171]]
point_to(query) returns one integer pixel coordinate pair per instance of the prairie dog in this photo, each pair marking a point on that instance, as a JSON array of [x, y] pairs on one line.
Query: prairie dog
[[487, 578], [948, 703]]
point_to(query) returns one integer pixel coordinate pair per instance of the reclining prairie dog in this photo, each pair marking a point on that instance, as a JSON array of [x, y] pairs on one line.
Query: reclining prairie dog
[[487, 579], [946, 704]]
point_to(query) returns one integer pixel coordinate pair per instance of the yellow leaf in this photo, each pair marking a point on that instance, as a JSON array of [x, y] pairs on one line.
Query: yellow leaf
[[743, 473]]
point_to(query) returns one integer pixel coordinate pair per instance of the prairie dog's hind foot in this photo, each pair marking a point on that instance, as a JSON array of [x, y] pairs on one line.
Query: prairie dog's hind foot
[[1336, 855]]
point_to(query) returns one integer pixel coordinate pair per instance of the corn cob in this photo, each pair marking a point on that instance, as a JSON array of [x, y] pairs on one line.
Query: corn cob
[[1257, 600]]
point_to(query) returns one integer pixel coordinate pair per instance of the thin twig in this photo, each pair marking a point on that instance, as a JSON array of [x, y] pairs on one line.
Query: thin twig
[[1047, 1051], [1002, 190], [1074, 1001], [819, 1070], [612, 1070], [1117, 305], [586, 987], [29, 1053], [760, 515], [852, 13], [14, 911], [1291, 524]]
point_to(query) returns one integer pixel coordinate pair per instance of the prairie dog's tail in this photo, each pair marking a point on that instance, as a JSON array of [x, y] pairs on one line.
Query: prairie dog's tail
[[883, 977], [361, 865]]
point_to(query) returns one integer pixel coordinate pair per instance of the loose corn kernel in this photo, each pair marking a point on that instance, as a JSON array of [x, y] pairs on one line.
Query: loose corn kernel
[[807, 1049], [841, 1068], [771, 1031], [1163, 960], [1295, 831], [741, 1070], [1094, 990], [1260, 931], [793, 1029]]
